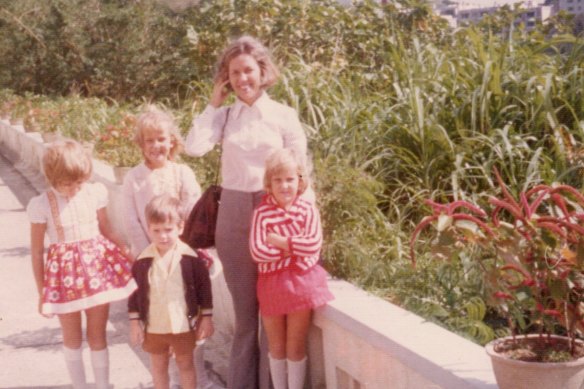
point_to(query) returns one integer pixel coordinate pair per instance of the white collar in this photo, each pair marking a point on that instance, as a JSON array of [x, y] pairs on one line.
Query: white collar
[[181, 249], [262, 105]]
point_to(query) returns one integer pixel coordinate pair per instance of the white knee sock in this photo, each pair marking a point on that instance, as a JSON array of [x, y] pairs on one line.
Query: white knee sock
[[74, 361], [296, 373], [100, 364], [278, 372]]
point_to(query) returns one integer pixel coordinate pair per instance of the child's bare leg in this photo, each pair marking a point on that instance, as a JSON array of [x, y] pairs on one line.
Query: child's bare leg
[[159, 367], [71, 327], [96, 338], [186, 370], [297, 326], [275, 327], [96, 324]]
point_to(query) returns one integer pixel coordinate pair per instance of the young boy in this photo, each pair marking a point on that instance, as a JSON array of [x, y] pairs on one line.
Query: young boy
[[172, 307]]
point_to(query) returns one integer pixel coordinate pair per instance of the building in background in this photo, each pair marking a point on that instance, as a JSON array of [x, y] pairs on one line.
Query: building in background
[[468, 12], [572, 6]]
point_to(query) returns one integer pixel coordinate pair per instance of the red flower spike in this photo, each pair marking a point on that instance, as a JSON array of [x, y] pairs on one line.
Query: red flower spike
[[552, 312], [503, 295], [538, 188], [425, 222], [515, 211], [480, 223], [573, 191], [465, 204], [559, 201], [437, 207], [553, 227], [525, 204], [541, 197], [571, 226], [506, 193]]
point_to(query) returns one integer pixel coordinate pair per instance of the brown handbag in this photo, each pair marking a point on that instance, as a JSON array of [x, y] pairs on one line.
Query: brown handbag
[[199, 230]]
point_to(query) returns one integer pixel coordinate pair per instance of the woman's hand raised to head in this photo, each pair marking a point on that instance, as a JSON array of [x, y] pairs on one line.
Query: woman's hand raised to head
[[220, 93]]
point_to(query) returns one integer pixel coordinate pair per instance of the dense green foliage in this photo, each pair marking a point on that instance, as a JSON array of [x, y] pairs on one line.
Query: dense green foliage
[[397, 108]]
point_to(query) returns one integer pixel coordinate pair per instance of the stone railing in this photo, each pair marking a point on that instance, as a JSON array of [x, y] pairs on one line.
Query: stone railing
[[357, 341]]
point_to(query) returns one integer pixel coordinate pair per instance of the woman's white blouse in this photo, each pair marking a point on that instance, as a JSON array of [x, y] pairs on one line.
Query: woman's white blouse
[[141, 184], [251, 134], [78, 215]]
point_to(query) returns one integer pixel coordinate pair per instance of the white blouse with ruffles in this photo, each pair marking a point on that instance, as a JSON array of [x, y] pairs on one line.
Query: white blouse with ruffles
[[78, 215]]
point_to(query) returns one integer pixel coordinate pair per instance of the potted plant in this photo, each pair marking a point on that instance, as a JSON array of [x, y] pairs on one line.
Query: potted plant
[[531, 252], [116, 146]]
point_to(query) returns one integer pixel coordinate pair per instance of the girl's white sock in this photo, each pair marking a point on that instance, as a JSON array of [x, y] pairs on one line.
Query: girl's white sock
[[296, 373], [278, 372], [74, 361], [100, 364]]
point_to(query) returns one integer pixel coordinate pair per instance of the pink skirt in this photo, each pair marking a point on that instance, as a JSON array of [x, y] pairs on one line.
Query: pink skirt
[[85, 274], [292, 290]]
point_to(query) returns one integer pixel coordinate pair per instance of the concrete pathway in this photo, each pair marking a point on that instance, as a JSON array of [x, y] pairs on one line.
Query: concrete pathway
[[30, 345]]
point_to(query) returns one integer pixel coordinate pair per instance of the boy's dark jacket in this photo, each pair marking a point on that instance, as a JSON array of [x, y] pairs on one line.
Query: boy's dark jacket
[[196, 281]]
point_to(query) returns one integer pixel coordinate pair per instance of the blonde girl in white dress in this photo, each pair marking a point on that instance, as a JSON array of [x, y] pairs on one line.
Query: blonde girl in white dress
[[86, 266], [158, 137]]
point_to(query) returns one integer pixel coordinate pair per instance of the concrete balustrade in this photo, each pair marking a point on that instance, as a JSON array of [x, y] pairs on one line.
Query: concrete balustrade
[[358, 341]]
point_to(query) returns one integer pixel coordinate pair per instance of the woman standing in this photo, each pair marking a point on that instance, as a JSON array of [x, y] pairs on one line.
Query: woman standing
[[248, 131]]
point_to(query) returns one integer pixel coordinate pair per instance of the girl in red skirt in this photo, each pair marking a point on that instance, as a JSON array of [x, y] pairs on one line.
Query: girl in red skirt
[[83, 270], [285, 242]]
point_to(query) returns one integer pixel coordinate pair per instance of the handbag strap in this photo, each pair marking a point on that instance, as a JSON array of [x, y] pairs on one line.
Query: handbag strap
[[218, 164]]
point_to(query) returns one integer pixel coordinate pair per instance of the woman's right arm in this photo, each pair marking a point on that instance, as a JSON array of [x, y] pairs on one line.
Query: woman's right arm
[[37, 248], [206, 129]]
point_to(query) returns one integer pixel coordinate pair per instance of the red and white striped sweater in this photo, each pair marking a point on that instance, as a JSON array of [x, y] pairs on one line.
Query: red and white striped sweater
[[300, 223]]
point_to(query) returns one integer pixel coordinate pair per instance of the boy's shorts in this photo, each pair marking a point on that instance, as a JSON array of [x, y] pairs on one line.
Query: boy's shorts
[[183, 343]]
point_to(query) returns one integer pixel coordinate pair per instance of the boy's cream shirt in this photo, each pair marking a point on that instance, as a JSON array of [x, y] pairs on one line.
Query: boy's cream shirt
[[168, 308]]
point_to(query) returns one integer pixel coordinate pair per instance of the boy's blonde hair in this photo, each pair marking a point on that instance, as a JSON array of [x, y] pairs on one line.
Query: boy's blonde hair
[[251, 46], [163, 208], [282, 159], [152, 118], [66, 161]]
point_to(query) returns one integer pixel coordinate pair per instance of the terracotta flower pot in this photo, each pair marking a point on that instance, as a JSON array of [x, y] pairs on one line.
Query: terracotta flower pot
[[514, 374]]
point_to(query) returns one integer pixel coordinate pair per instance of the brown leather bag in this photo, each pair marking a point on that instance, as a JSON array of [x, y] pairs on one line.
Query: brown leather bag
[[199, 230]]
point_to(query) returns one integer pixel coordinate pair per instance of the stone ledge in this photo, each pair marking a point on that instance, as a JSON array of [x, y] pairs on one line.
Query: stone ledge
[[419, 351]]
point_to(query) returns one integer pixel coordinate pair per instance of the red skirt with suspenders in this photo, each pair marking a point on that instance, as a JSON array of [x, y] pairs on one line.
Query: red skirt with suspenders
[[83, 274]]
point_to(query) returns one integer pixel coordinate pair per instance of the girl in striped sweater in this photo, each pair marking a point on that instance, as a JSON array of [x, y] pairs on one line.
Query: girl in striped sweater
[[285, 242]]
